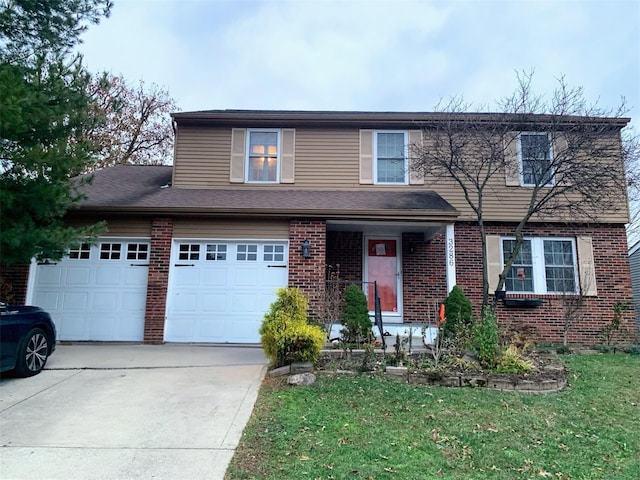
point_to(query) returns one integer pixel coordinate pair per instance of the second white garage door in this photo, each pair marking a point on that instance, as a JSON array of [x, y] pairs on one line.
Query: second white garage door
[[220, 290]]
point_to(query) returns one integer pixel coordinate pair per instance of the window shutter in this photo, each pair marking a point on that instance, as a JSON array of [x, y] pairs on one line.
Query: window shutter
[[238, 146], [287, 156], [512, 165], [416, 177], [366, 156], [494, 261], [586, 267], [560, 147]]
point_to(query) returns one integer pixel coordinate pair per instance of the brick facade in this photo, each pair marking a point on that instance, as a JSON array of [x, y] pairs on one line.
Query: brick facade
[[158, 280], [13, 283], [546, 321], [424, 276], [308, 274]]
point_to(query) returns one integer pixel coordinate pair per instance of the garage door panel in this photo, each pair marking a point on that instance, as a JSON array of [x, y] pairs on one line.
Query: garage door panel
[[186, 276], [50, 274], [78, 276], [94, 298], [108, 275], [105, 302], [47, 300], [215, 303], [245, 277], [235, 287], [75, 301], [216, 277], [186, 303]]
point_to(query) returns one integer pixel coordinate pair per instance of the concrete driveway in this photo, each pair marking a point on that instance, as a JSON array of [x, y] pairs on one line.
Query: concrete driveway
[[129, 411]]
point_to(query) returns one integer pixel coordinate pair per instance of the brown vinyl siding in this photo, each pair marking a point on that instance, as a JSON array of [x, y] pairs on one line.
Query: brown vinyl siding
[[203, 228], [117, 227], [330, 159], [202, 157]]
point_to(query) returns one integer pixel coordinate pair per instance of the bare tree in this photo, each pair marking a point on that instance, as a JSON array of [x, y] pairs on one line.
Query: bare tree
[[575, 167], [135, 126]]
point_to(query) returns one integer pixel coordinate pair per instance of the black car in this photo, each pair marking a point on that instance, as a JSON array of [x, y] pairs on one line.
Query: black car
[[27, 338]]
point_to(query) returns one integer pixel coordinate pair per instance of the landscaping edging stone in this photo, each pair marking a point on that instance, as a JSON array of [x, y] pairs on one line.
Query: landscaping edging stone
[[551, 378]]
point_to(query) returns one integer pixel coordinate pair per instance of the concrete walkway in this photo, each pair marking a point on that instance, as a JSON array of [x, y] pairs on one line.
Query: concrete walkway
[[129, 411]]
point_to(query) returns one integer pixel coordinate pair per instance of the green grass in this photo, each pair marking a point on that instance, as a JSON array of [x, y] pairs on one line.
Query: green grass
[[373, 428]]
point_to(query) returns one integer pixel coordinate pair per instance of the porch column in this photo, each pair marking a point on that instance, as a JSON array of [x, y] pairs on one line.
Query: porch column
[[451, 257]]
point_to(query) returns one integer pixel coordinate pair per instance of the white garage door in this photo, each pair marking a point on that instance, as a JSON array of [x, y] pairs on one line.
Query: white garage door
[[220, 290], [96, 292]]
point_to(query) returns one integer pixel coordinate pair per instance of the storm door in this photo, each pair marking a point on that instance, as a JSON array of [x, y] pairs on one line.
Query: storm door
[[382, 265]]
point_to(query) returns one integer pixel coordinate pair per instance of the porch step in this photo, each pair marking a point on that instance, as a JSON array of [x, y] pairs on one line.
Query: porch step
[[391, 331]]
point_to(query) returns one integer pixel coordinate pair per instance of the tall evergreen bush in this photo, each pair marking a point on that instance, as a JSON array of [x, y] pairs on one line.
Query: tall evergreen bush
[[355, 319]]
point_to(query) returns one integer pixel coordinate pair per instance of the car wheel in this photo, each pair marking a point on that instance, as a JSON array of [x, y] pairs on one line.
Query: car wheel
[[33, 353]]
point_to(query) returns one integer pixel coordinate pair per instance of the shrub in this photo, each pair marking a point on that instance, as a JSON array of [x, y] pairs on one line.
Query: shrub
[[486, 339], [355, 319], [512, 361], [285, 334], [457, 313]]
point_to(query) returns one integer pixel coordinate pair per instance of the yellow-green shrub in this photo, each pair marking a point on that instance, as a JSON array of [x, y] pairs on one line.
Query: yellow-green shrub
[[285, 334], [512, 361]]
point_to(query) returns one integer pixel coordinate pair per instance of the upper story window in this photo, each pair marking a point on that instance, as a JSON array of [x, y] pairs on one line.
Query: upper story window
[[535, 154], [263, 155], [390, 157], [543, 265]]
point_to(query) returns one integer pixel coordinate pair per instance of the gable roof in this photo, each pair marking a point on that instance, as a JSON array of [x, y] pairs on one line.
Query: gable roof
[[147, 190]]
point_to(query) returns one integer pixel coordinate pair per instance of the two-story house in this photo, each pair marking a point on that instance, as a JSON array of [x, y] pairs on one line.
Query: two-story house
[[257, 200]]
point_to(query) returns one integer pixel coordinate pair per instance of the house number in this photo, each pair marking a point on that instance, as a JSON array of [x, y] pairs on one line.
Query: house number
[[451, 253]]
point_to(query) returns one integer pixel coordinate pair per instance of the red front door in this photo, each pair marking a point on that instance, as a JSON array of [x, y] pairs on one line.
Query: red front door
[[382, 267]]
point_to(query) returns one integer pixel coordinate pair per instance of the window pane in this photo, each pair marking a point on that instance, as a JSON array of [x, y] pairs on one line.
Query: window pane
[[520, 276], [391, 161], [536, 159], [559, 266], [262, 169]]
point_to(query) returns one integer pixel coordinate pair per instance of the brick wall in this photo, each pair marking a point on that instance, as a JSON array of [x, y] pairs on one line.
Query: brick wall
[[546, 322], [13, 283], [424, 277], [308, 274], [344, 252], [158, 280]]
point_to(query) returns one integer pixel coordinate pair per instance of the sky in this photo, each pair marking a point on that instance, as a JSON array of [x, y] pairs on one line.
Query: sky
[[374, 55]]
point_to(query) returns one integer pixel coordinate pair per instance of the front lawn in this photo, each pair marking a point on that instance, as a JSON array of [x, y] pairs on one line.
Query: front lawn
[[372, 428]]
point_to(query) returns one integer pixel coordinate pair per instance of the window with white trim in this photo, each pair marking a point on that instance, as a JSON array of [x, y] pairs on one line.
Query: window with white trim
[[247, 253], [543, 265], [137, 251], [189, 251], [273, 253], [81, 252], [263, 154], [110, 251], [535, 155], [216, 252], [390, 157]]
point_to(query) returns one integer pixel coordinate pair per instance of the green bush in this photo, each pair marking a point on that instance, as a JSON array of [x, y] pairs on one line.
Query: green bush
[[486, 339], [512, 361], [457, 313], [285, 334], [356, 324]]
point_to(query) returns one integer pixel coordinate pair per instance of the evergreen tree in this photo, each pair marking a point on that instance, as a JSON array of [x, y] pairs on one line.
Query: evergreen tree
[[45, 108]]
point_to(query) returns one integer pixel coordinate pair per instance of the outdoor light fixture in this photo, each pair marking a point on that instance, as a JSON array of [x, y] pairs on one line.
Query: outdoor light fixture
[[306, 249]]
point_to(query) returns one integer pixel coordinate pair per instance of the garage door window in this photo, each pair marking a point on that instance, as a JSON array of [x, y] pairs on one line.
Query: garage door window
[[274, 253], [247, 253], [110, 251], [189, 251], [137, 251], [83, 252], [217, 252]]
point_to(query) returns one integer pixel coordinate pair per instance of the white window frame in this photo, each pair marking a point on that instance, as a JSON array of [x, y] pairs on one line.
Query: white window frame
[[538, 264], [521, 160], [406, 157], [248, 154]]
